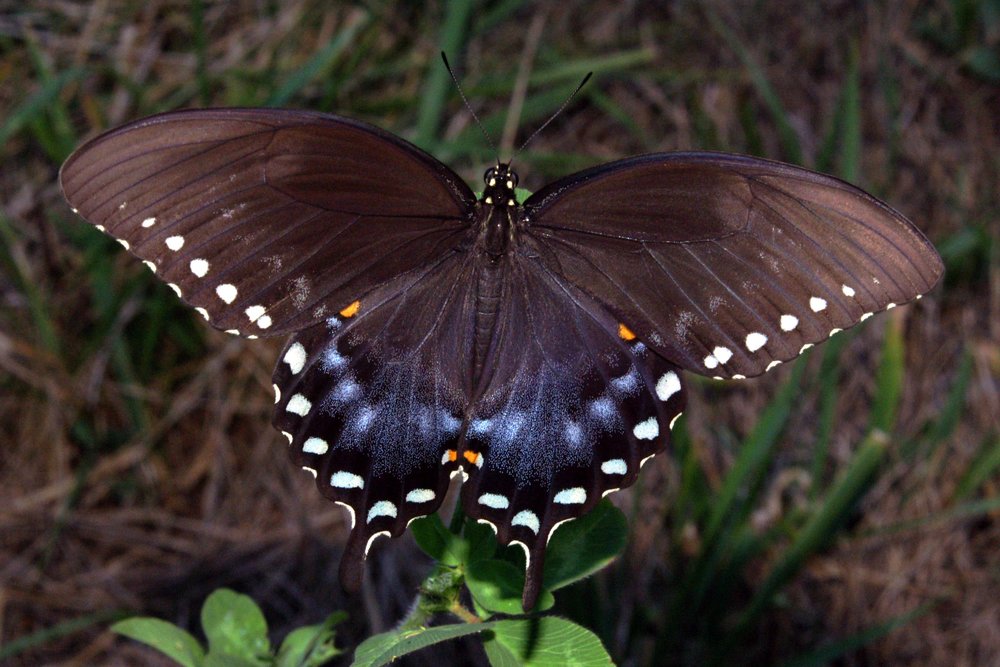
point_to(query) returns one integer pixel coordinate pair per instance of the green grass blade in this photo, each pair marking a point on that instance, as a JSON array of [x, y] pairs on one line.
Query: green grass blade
[[315, 66], [38, 103], [841, 148], [786, 133], [829, 393], [954, 404], [820, 527], [46, 635], [38, 305], [984, 467], [889, 378], [829, 653], [199, 41], [754, 457], [439, 84]]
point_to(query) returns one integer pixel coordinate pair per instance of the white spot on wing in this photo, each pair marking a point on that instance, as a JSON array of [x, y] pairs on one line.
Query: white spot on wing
[[149, 265], [755, 341], [805, 347], [254, 312], [148, 222], [528, 519], [420, 496], [381, 508], [576, 495], [866, 316], [848, 291], [711, 361], [277, 393], [201, 311], [614, 467], [124, 243], [226, 292], [316, 445], [890, 306], [175, 288], [668, 385], [343, 479], [199, 267], [723, 354], [295, 357], [817, 304], [772, 365], [264, 321], [287, 435], [675, 418], [494, 500], [299, 405], [311, 471], [647, 430], [789, 322], [175, 243]]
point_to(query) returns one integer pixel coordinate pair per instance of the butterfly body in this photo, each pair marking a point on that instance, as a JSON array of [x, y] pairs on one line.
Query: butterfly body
[[535, 349]]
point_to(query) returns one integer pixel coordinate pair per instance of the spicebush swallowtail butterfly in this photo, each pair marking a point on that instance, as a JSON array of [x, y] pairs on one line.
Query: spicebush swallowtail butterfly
[[535, 348]]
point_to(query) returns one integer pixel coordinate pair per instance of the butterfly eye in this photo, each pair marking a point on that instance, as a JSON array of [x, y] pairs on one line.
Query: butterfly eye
[[511, 180], [490, 177]]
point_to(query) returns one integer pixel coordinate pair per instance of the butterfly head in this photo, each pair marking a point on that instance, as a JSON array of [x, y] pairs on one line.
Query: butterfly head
[[501, 183]]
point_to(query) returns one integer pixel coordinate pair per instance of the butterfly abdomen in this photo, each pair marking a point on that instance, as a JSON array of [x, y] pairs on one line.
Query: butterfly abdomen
[[489, 296]]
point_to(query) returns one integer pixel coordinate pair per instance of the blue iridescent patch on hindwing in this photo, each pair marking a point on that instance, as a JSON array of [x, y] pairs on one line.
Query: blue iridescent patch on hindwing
[[576, 406], [371, 412]]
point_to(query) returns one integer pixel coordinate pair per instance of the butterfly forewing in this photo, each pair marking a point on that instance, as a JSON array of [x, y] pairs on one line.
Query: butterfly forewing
[[726, 264], [263, 219]]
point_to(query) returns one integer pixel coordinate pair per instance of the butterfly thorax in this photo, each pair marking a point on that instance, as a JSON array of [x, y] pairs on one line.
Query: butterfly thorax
[[496, 210]]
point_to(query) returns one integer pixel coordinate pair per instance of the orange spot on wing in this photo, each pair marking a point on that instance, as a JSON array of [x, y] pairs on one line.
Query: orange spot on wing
[[351, 310], [470, 456], [452, 455], [625, 333]]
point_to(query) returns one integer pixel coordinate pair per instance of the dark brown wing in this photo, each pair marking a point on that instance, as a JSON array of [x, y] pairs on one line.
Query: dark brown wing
[[728, 264], [268, 220]]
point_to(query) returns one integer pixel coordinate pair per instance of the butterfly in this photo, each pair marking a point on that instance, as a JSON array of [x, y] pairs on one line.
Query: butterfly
[[536, 349]]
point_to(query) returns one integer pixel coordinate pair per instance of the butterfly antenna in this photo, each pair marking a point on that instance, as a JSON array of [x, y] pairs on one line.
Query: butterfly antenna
[[486, 135], [554, 115]]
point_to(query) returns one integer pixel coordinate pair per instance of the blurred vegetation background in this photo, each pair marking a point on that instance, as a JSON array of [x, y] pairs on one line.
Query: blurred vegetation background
[[841, 510]]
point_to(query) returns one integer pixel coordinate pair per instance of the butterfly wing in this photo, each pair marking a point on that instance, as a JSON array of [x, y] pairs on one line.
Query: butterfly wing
[[569, 406], [373, 399], [728, 264], [263, 218]]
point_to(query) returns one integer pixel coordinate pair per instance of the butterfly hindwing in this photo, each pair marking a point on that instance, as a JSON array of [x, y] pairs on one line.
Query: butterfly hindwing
[[263, 218], [372, 400], [574, 405], [727, 264]]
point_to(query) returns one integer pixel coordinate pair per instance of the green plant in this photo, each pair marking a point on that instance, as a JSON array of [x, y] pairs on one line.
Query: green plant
[[237, 637]]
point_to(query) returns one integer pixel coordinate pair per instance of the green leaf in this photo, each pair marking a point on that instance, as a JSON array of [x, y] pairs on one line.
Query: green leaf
[[482, 541], [388, 646], [496, 586], [550, 641], [499, 655], [310, 645], [235, 626], [580, 548], [227, 660], [175, 643], [438, 542]]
